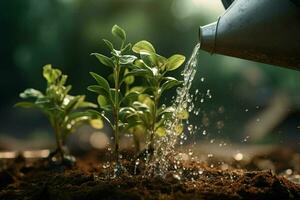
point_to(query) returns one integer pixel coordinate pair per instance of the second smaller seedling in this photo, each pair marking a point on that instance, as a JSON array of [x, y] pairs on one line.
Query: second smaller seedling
[[62, 109]]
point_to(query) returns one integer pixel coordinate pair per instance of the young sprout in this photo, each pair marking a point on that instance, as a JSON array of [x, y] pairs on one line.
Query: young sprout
[[111, 99], [154, 68], [63, 110]]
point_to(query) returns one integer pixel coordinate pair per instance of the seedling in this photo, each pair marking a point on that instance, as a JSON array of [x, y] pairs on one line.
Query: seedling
[[153, 68], [61, 108], [111, 99]]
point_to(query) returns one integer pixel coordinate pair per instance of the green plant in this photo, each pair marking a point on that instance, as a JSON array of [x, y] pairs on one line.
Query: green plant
[[112, 99], [61, 108], [151, 113]]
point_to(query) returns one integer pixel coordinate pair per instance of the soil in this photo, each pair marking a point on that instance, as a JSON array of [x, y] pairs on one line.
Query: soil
[[88, 179]]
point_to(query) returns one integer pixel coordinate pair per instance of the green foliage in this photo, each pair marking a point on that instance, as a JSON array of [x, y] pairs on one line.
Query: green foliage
[[112, 99], [63, 110], [135, 109], [153, 68]]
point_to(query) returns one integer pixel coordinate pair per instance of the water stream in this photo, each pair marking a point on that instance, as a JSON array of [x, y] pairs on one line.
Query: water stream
[[165, 150]]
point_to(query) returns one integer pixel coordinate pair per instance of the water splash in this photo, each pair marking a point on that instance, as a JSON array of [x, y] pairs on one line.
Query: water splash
[[183, 102]]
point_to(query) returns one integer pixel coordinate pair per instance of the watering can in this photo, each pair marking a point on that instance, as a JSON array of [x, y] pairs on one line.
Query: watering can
[[266, 31]]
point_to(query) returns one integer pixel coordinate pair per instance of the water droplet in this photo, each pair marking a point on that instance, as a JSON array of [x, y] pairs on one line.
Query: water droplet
[[182, 101], [176, 176], [289, 172], [204, 132], [246, 138], [238, 156], [220, 124], [210, 155], [202, 79], [190, 127]]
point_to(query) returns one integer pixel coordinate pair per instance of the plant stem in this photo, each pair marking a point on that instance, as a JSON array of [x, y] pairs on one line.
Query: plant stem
[[136, 140], [152, 132], [116, 113], [58, 141]]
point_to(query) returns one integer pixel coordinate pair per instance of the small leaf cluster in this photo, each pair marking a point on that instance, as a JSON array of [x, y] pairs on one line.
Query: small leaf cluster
[[111, 99], [135, 107], [63, 110], [153, 68]]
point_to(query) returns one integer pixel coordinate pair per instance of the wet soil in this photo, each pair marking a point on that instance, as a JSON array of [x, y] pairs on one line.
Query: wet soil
[[89, 179]]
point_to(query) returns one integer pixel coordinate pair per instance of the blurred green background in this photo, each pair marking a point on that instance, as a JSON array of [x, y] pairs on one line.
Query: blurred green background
[[251, 102]]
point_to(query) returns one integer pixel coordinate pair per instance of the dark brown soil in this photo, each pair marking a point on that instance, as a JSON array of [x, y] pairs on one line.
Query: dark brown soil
[[88, 180]]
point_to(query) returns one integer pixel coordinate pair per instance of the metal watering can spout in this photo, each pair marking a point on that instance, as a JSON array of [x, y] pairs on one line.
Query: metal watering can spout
[[266, 31]]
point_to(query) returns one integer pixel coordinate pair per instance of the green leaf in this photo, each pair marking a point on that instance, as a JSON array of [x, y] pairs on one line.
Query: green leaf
[[75, 119], [146, 100], [104, 102], [51, 75], [100, 115], [101, 81], [166, 110], [108, 44], [147, 59], [110, 78], [116, 53], [127, 59], [174, 62], [158, 60], [178, 129], [97, 123], [31, 93], [71, 103], [26, 104], [128, 79], [97, 89], [139, 64], [138, 89], [104, 60], [143, 46], [170, 83], [136, 127], [139, 72], [118, 32], [86, 104], [76, 115], [129, 97], [183, 114], [127, 111], [63, 80], [160, 131], [126, 48], [140, 106]]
